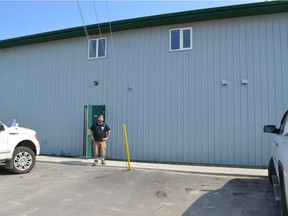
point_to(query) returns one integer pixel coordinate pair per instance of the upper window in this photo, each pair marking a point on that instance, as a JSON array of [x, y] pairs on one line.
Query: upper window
[[180, 39], [97, 48]]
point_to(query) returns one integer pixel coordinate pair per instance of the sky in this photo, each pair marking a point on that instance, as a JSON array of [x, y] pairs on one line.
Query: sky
[[21, 18]]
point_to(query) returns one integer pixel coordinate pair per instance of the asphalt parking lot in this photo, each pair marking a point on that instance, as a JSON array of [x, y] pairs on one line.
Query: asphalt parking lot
[[67, 189]]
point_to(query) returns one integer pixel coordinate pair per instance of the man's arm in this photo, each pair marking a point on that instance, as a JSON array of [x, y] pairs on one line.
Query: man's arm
[[91, 135], [108, 134]]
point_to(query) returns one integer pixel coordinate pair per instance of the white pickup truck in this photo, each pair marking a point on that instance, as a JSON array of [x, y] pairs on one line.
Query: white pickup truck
[[278, 165], [18, 148]]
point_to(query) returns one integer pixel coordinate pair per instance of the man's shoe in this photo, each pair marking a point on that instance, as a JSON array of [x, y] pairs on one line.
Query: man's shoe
[[103, 162], [95, 163]]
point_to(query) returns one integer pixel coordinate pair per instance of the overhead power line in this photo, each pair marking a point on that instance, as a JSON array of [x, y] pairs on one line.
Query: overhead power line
[[97, 20], [83, 22], [110, 27]]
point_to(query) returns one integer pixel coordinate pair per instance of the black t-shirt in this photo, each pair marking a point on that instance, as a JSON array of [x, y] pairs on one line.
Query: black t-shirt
[[99, 131]]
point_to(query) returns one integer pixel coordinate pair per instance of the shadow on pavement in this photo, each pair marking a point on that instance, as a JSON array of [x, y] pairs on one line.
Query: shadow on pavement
[[239, 196], [71, 162], [79, 163], [76, 163], [3, 171]]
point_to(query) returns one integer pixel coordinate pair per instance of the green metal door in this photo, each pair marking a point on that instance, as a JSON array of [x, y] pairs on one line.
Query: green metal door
[[91, 113]]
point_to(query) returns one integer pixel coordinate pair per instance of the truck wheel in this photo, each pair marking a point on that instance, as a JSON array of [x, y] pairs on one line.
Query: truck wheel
[[23, 160], [271, 170]]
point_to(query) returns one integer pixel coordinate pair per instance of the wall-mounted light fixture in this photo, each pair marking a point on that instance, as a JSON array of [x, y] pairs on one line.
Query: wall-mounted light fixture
[[130, 87], [244, 81], [224, 82]]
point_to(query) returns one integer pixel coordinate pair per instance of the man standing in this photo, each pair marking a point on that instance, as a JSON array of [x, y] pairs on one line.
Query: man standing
[[99, 133]]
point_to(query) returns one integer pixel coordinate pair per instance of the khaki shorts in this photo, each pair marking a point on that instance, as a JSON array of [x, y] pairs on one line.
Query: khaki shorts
[[102, 146]]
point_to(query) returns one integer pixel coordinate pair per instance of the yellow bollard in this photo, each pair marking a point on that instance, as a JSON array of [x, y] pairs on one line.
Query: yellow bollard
[[127, 145]]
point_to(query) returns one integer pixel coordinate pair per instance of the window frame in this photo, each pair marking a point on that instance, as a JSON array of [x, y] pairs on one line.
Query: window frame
[[97, 48], [181, 37]]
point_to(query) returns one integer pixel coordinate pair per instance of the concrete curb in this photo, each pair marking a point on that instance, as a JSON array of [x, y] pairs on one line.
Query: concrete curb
[[211, 170]]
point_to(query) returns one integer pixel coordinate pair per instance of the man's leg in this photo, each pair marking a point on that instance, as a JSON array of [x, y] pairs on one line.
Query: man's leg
[[95, 147], [103, 152]]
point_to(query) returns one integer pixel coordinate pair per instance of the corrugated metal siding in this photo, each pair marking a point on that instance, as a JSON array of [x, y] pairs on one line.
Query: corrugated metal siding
[[178, 110]]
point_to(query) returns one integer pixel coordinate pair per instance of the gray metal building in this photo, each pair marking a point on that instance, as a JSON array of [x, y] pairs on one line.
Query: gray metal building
[[205, 102]]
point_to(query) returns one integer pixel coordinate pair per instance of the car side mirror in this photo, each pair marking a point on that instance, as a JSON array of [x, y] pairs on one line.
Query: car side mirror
[[270, 129], [2, 128]]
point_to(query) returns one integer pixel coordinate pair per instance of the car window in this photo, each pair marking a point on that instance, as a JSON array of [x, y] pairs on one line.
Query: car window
[[284, 124], [285, 128]]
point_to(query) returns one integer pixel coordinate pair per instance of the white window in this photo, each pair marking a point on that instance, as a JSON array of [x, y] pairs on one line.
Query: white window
[[97, 48], [180, 39]]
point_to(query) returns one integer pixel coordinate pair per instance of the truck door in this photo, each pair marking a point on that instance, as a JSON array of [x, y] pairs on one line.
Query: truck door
[[3, 143], [282, 149], [280, 143]]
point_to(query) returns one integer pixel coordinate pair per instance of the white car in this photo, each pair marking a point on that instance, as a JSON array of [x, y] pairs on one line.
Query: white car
[[18, 148], [278, 165]]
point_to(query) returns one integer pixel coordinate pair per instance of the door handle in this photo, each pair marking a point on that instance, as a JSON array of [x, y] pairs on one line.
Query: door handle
[[275, 143]]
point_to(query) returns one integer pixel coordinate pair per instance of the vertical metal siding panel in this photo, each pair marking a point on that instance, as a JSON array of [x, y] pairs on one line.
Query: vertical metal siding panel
[[115, 119], [173, 104], [251, 85], [147, 103], [113, 98], [193, 102], [186, 108], [244, 95], [264, 90], [273, 118], [141, 118], [277, 66], [139, 110], [122, 91], [168, 108], [153, 93], [148, 116], [284, 55], [237, 127], [231, 89], [198, 101], [284, 58], [204, 95], [211, 93], [196, 98], [217, 93], [224, 97], [140, 88], [132, 97], [257, 93], [138, 78], [179, 106], [278, 70], [164, 41]]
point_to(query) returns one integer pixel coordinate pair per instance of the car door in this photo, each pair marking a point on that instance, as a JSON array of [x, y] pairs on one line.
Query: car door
[[3, 143]]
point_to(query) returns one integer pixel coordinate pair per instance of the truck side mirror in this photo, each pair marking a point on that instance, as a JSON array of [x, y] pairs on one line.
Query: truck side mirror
[[270, 129]]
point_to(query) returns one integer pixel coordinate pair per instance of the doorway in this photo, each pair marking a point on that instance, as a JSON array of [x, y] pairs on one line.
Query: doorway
[[91, 113]]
